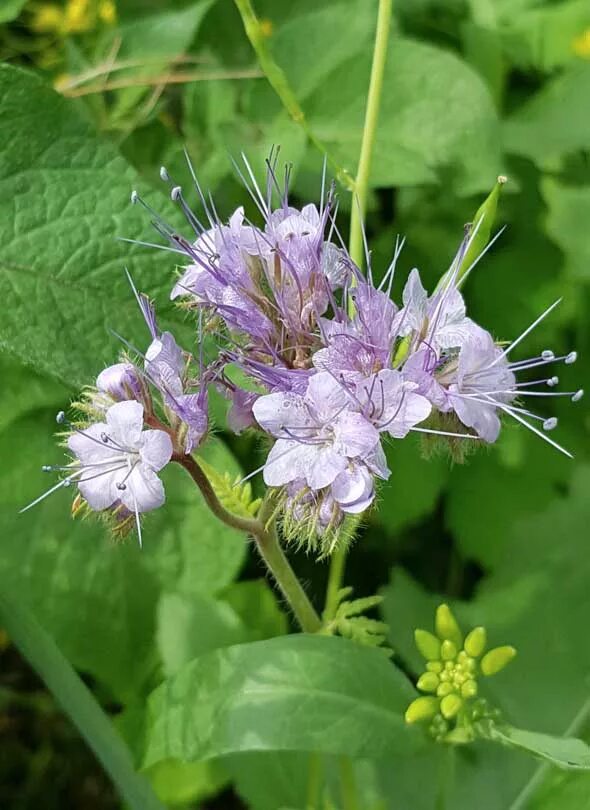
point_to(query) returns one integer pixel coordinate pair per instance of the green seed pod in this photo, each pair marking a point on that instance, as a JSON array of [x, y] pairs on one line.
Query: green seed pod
[[483, 221], [448, 650], [435, 666], [428, 682], [475, 643], [469, 689], [450, 705], [447, 627], [423, 708], [496, 659], [428, 645]]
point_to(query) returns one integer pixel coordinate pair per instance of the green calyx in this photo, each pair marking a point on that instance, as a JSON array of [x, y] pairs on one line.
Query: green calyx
[[450, 680]]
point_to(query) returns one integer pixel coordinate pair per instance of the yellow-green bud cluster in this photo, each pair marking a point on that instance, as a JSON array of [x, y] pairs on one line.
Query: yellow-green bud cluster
[[453, 664]]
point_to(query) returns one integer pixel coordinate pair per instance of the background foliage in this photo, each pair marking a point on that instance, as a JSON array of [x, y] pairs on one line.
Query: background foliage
[[91, 105]]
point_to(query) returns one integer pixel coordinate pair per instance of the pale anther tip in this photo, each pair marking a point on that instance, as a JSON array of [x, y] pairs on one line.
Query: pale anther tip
[[550, 424], [502, 179], [60, 418], [571, 358], [134, 197], [578, 395], [164, 174], [547, 354]]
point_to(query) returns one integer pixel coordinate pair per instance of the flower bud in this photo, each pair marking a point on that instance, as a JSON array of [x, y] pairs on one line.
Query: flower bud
[[422, 708], [428, 682], [428, 645], [120, 382], [447, 627], [450, 705], [448, 650], [469, 689], [496, 659], [475, 643]]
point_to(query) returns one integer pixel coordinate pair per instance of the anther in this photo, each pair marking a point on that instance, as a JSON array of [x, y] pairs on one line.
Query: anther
[[550, 424], [164, 174], [60, 418], [66, 482], [578, 395], [121, 486], [175, 193], [46, 468], [571, 358], [104, 437], [552, 381], [547, 354], [134, 197]]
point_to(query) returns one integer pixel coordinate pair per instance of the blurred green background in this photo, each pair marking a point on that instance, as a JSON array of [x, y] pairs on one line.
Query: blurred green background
[[110, 91]]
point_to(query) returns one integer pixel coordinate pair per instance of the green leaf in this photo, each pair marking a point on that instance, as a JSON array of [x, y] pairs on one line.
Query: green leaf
[[24, 391], [436, 113], [562, 789], [237, 699], [11, 9], [564, 752], [178, 783], [64, 198], [236, 497], [256, 604], [569, 209], [553, 123]]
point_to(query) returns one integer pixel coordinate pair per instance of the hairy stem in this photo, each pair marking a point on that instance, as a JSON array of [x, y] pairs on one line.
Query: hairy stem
[[263, 530], [280, 84], [369, 131], [357, 217], [77, 702]]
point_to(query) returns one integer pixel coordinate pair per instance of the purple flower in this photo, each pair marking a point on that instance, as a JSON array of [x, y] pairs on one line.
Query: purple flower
[[117, 460], [392, 403], [120, 382], [317, 434]]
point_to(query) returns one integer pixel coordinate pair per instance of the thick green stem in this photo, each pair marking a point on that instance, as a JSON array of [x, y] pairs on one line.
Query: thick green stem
[[359, 207], [369, 131], [280, 84], [78, 703], [263, 530]]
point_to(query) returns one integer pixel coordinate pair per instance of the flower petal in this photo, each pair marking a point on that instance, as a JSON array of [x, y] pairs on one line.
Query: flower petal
[[143, 490], [125, 423], [156, 449]]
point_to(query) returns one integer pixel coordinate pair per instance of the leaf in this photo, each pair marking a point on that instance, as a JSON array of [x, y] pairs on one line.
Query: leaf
[[552, 124], [564, 752], [24, 391], [337, 697], [569, 209], [178, 783], [256, 604], [234, 496], [435, 113], [64, 198], [11, 9], [562, 789]]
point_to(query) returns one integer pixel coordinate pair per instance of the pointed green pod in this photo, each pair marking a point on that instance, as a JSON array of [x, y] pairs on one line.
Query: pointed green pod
[[423, 708], [428, 682], [428, 645], [450, 705], [448, 650], [483, 221], [496, 659], [447, 627], [475, 643]]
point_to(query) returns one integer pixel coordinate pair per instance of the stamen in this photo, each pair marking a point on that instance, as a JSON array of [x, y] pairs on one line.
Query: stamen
[[550, 424]]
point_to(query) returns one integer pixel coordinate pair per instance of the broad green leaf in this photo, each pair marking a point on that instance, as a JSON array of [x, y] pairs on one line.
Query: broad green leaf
[[337, 697], [564, 752], [436, 113], [64, 198], [553, 123], [192, 550], [23, 391], [567, 791], [11, 9], [569, 209], [178, 783]]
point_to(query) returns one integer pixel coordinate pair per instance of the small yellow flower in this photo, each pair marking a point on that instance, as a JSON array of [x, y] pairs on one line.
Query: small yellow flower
[[48, 19], [581, 44], [78, 17], [107, 12]]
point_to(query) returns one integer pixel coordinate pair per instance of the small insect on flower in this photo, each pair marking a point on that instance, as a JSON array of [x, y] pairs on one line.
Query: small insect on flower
[[116, 462]]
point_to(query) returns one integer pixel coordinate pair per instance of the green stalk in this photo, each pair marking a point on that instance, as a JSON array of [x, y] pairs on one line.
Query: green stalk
[[280, 84], [78, 703], [359, 208]]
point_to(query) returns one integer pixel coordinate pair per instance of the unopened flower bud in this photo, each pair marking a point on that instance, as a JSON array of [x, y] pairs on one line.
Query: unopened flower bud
[[428, 645], [469, 689], [422, 708], [447, 627], [448, 650], [120, 381], [475, 643], [496, 659], [428, 682], [450, 705]]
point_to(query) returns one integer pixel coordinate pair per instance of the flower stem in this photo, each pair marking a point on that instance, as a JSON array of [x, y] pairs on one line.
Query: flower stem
[[263, 530], [357, 217], [369, 131], [77, 702], [280, 84]]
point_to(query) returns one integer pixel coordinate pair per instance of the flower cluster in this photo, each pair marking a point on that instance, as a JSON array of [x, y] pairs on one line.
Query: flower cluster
[[334, 368], [453, 665]]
